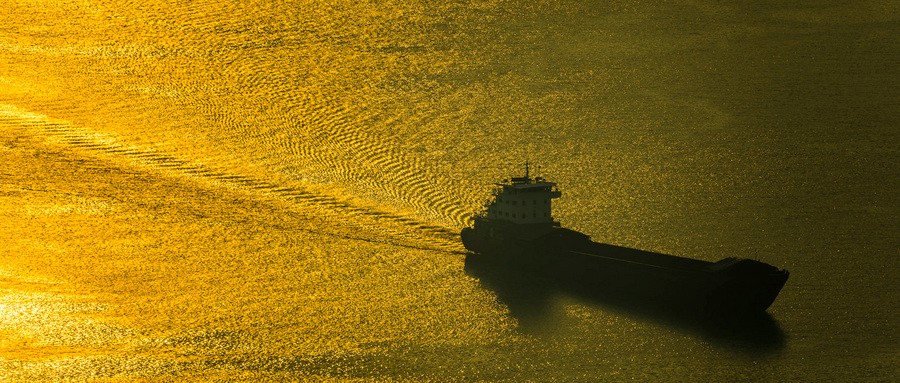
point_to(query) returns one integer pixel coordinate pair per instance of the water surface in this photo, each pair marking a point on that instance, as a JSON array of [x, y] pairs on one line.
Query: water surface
[[250, 192]]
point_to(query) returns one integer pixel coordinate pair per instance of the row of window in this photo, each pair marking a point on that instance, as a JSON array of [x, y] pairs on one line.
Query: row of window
[[513, 215]]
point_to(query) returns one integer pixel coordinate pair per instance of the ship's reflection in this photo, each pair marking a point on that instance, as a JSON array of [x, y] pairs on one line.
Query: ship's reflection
[[529, 297]]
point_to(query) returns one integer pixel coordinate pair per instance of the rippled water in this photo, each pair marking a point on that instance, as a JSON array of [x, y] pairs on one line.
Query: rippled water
[[250, 191]]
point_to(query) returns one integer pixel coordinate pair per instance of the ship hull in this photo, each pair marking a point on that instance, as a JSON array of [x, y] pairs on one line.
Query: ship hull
[[729, 286]]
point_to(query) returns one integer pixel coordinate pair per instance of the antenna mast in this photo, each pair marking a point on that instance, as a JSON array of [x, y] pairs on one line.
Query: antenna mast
[[526, 169]]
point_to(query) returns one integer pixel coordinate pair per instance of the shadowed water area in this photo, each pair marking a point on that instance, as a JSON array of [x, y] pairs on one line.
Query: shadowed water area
[[246, 191]]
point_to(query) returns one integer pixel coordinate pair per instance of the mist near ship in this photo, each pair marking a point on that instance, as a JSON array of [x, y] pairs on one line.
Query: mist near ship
[[249, 191]]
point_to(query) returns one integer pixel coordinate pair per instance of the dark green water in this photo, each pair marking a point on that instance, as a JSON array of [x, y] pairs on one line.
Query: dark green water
[[245, 191]]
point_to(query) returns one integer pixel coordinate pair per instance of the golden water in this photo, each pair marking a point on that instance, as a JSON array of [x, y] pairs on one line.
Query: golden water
[[251, 191]]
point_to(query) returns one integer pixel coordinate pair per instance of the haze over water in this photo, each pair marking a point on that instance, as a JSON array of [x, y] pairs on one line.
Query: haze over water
[[272, 192]]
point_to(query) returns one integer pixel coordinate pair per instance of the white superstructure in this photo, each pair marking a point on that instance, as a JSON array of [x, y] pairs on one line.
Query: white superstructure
[[523, 200]]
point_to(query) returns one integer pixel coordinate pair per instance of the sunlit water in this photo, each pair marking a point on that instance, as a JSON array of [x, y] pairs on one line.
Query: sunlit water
[[240, 191]]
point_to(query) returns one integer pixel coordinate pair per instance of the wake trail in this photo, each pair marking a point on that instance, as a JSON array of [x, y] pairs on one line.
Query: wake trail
[[401, 230]]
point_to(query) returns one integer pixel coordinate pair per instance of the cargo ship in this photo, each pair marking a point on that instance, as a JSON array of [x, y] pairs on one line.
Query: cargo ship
[[517, 231]]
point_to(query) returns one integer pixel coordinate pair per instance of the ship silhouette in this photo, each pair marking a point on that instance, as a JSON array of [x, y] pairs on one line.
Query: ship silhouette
[[517, 231]]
